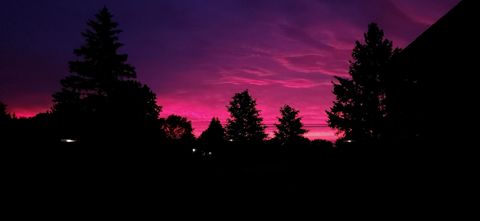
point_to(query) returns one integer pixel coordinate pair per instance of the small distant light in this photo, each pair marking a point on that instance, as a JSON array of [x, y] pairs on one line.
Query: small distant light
[[209, 153], [349, 141], [194, 150], [231, 140], [68, 140]]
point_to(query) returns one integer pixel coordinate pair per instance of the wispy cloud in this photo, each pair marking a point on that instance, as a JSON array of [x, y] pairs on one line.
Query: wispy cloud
[[314, 63], [300, 83], [264, 78], [260, 72], [241, 81]]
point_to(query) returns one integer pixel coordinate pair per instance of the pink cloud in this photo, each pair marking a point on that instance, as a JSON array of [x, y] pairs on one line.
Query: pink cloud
[[314, 63], [300, 83], [241, 81], [288, 83], [260, 72]]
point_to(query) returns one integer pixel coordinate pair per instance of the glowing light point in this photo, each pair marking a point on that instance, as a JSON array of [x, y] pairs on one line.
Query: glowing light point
[[68, 140]]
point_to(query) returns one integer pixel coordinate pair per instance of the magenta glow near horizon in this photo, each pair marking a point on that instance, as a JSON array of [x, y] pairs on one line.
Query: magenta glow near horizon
[[196, 54]]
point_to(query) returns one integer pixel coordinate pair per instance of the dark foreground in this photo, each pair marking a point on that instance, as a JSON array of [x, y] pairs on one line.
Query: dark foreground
[[102, 176]]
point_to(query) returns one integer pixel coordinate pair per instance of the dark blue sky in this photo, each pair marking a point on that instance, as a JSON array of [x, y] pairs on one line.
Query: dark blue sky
[[196, 53]]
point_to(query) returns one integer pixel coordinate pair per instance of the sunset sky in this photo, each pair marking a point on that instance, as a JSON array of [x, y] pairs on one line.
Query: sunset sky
[[195, 54]]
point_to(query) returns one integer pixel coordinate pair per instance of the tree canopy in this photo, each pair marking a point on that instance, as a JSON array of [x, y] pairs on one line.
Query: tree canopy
[[178, 129], [101, 92], [214, 135], [359, 110], [290, 127], [3, 112], [245, 124]]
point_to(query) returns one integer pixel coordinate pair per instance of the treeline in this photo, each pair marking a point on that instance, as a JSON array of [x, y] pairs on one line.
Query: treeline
[[105, 125], [102, 104]]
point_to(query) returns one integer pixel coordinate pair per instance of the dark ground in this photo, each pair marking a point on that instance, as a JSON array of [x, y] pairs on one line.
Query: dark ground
[[119, 175]]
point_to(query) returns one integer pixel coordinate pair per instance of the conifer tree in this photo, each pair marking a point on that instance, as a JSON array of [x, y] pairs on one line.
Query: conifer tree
[[245, 124], [359, 111], [290, 128], [102, 92], [214, 134]]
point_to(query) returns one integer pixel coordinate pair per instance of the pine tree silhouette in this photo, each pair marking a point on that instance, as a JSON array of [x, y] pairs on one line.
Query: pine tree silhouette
[[359, 109], [101, 96], [290, 129], [8, 131], [245, 124], [213, 137], [4, 121], [4, 116]]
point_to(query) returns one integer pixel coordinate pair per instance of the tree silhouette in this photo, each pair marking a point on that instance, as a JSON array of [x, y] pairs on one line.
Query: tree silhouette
[[101, 93], [178, 129], [4, 122], [245, 124], [133, 101], [4, 115], [290, 129], [359, 110], [213, 137]]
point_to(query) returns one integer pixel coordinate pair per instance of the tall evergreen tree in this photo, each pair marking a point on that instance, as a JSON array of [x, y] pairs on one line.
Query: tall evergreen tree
[[5, 124], [359, 109], [101, 90], [290, 129], [4, 116], [213, 136], [245, 124]]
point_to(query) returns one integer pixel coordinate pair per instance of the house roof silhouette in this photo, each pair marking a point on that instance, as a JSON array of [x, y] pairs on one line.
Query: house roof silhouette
[[435, 92]]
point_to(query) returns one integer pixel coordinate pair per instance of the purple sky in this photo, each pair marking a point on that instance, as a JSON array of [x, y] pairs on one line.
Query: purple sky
[[195, 54]]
